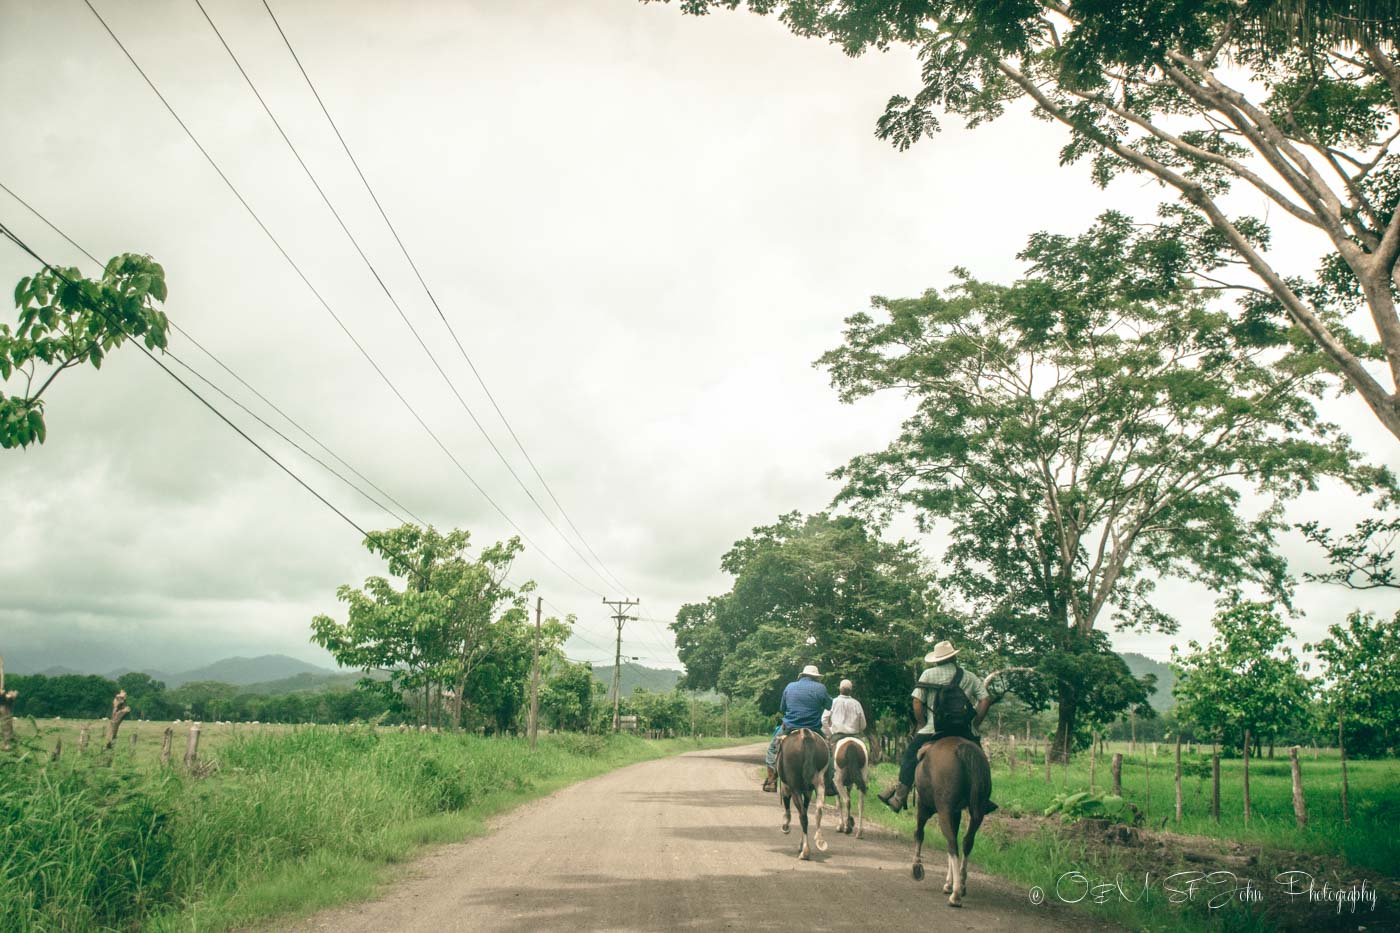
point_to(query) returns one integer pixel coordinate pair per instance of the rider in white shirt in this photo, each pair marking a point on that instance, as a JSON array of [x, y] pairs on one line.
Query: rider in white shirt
[[846, 716]]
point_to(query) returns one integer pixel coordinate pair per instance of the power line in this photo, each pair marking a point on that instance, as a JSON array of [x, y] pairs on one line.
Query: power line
[[326, 305], [395, 516], [14, 238], [432, 298], [311, 176]]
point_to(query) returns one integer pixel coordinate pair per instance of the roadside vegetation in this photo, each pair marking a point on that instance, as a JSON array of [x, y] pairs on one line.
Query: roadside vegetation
[[1023, 845], [286, 820]]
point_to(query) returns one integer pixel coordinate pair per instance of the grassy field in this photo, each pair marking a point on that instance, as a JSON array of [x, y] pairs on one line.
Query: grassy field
[[277, 821], [1020, 845]]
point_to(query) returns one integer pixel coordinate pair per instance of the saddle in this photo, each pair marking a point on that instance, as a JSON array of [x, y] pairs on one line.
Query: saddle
[[836, 752]]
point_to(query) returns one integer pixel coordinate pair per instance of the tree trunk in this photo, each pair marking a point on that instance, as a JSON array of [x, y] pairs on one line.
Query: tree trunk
[[1064, 729]]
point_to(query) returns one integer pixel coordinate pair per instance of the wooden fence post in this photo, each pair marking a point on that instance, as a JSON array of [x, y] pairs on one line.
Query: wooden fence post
[[1117, 774], [83, 740], [1047, 761], [1011, 753], [1093, 760], [133, 741], [1300, 806], [1215, 787], [1342, 750], [192, 746], [166, 743], [57, 749], [1246, 777], [1178, 778], [1147, 784], [7, 713], [119, 712]]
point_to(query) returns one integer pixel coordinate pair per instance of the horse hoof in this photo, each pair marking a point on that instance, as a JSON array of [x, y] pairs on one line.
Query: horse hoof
[[850, 824], [786, 830], [918, 872], [822, 845], [954, 901], [948, 888]]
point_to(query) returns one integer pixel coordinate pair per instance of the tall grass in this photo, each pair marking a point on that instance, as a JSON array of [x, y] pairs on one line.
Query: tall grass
[[86, 846]]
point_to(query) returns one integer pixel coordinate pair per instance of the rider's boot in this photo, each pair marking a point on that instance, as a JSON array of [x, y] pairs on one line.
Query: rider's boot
[[770, 783], [894, 797]]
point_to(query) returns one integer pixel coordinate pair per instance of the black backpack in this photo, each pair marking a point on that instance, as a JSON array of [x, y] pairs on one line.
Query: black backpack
[[951, 710]]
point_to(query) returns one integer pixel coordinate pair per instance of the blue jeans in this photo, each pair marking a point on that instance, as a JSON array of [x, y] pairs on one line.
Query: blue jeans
[[771, 758]]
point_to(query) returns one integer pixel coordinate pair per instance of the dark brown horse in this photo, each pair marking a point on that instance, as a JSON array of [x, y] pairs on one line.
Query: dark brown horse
[[953, 776], [852, 773], [802, 760]]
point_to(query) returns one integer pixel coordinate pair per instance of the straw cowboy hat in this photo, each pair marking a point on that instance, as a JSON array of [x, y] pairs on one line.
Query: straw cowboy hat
[[942, 651], [810, 671]]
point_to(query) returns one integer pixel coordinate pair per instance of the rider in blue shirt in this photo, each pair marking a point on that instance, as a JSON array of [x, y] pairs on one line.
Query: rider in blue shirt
[[804, 701]]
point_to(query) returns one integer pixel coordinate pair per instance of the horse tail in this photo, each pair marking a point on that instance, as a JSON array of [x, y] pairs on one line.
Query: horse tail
[[977, 774]]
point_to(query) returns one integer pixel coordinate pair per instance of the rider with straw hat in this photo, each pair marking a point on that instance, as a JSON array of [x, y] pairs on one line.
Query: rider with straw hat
[[947, 700]]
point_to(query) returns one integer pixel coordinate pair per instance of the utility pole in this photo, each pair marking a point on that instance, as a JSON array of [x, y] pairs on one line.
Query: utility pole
[[535, 677], [620, 607]]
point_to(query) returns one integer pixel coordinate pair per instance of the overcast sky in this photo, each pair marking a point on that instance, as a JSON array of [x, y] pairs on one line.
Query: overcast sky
[[645, 227]]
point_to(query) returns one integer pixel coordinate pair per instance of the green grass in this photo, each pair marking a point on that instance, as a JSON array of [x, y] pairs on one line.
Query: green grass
[[288, 821], [1149, 783], [44, 733], [1039, 852]]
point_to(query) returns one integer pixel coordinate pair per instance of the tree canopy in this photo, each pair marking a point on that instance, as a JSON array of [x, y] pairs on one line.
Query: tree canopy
[[1296, 101], [457, 629], [1245, 678], [1361, 676], [1082, 433], [66, 320], [824, 590]]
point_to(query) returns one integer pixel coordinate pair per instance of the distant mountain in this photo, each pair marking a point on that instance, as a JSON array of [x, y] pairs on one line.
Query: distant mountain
[[310, 681], [1162, 700], [655, 680], [244, 671]]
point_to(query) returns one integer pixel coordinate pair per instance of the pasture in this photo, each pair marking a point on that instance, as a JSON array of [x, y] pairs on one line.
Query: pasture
[[276, 820], [1021, 844]]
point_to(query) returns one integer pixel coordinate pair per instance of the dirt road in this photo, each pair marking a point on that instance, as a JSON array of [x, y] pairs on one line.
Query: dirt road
[[685, 843]]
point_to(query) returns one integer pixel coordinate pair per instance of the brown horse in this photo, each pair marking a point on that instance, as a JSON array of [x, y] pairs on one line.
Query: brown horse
[[802, 760], [852, 773], [953, 775]]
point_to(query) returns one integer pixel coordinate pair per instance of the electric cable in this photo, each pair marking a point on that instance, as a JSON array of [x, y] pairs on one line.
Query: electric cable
[[311, 176], [326, 305], [432, 298]]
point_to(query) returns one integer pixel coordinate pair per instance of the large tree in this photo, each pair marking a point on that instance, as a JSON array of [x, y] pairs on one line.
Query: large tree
[[66, 321], [1246, 678], [1085, 431], [1298, 102], [822, 590]]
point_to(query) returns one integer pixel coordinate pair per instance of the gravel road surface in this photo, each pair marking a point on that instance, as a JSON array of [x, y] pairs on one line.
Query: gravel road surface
[[683, 843]]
